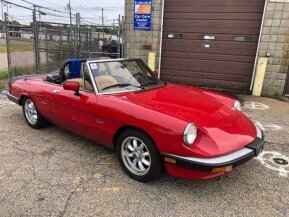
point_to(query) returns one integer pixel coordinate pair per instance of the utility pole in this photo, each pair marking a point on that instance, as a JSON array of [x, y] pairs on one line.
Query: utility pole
[[35, 33], [113, 25], [102, 18], [78, 23], [69, 8], [2, 11], [122, 37], [8, 45], [77, 18], [77, 35], [70, 18], [7, 9], [118, 38], [39, 15]]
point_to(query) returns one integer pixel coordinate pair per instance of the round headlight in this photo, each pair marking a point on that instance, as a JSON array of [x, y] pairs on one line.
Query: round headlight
[[190, 134], [237, 105]]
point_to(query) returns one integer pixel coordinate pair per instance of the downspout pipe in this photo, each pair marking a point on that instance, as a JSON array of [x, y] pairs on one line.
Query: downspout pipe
[[258, 47], [161, 37]]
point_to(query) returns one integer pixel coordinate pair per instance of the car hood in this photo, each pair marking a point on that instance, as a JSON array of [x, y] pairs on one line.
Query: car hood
[[186, 103], [222, 126]]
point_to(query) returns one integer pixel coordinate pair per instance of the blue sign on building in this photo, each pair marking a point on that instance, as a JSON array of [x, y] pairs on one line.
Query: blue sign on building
[[142, 14]]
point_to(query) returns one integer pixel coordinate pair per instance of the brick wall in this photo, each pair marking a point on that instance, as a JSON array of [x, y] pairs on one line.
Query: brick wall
[[136, 39], [274, 39]]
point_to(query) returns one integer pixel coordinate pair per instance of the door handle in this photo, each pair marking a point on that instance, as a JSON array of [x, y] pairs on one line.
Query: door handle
[[56, 91]]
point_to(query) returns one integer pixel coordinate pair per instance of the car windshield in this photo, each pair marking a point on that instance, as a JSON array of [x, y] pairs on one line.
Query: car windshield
[[122, 75]]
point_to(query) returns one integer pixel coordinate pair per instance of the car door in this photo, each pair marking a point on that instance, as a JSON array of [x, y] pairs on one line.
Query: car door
[[41, 96], [78, 114]]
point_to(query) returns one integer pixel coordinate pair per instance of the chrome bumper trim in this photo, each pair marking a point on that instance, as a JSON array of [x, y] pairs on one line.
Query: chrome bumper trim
[[217, 160], [260, 133], [13, 98]]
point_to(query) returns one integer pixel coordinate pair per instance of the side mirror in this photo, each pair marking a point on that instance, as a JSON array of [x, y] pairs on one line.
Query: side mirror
[[156, 73], [73, 86]]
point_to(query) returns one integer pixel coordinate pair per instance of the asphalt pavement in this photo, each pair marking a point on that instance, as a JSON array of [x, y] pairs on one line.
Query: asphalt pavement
[[52, 172]]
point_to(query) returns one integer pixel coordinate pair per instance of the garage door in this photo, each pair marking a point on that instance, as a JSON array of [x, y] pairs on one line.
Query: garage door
[[211, 43]]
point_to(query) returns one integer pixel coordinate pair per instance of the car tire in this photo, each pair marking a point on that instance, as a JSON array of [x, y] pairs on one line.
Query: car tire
[[32, 116], [138, 156]]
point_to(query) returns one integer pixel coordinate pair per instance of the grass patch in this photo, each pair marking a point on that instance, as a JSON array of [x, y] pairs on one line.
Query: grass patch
[[4, 75], [3, 48], [16, 48], [3, 79], [17, 71]]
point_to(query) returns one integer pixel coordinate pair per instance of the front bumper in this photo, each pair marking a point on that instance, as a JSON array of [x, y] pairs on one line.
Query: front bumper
[[13, 98], [221, 164]]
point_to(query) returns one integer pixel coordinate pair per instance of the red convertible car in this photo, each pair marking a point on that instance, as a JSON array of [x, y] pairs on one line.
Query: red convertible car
[[153, 125]]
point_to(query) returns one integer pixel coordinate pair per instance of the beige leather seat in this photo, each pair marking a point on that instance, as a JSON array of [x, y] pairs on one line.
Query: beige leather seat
[[104, 81], [80, 81]]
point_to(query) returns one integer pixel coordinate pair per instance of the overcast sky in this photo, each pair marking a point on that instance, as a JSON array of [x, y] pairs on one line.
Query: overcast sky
[[90, 10]]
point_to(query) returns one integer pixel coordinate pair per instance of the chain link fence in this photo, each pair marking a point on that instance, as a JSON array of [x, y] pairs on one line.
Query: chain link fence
[[20, 49], [42, 46]]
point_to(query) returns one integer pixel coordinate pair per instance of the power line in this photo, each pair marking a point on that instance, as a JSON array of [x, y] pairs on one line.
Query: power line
[[8, 2], [83, 3], [21, 15], [31, 9], [47, 8], [88, 22], [107, 8], [97, 8], [85, 22], [52, 3], [92, 23], [58, 11], [92, 18], [95, 11]]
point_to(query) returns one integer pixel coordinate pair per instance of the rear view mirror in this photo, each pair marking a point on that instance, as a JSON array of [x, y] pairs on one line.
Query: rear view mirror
[[73, 86]]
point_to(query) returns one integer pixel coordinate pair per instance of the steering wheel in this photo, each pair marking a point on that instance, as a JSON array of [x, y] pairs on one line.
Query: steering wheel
[[135, 72], [138, 76], [132, 69]]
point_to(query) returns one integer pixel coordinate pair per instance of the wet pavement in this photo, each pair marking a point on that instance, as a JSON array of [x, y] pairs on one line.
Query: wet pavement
[[52, 172]]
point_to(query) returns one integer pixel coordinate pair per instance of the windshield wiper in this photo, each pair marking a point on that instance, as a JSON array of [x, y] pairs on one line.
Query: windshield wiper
[[148, 83], [152, 82], [122, 85]]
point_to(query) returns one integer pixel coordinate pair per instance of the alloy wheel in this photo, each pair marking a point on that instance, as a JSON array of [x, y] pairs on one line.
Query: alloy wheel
[[136, 156], [30, 112]]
